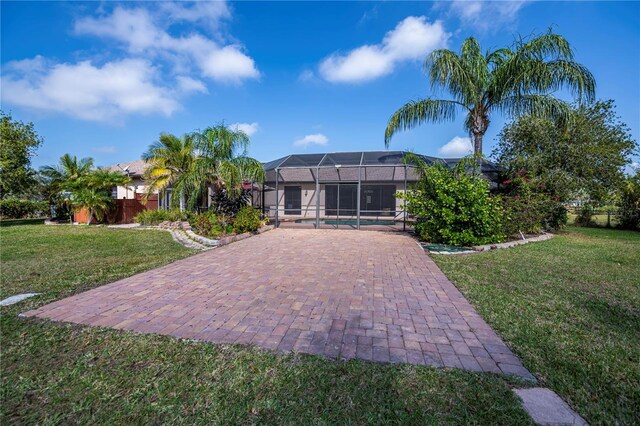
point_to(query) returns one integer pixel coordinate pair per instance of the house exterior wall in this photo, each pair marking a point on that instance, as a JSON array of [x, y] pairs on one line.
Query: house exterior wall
[[308, 196], [129, 191]]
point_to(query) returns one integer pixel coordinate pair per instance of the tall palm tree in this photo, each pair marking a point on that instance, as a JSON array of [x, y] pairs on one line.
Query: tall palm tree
[[224, 161], [514, 82], [68, 169], [171, 161]]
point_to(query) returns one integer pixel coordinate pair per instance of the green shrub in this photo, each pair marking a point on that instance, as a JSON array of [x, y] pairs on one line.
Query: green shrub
[[529, 211], [19, 209], [247, 220], [629, 204], [155, 217], [454, 206], [207, 224], [585, 216]]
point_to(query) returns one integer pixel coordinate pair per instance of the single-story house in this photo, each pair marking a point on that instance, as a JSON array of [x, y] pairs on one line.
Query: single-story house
[[352, 188]]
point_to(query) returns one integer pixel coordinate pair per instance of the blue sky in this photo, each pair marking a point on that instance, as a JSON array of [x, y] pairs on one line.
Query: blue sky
[[103, 79]]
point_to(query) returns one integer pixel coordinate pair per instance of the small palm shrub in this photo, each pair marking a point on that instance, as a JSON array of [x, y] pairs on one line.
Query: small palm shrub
[[155, 217], [454, 206], [247, 220]]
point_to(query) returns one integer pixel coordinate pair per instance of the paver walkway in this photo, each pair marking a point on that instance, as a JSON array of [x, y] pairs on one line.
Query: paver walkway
[[370, 295]]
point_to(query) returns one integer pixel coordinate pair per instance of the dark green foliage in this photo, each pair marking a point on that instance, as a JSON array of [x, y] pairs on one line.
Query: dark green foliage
[[454, 206], [528, 210], [208, 224], [18, 143], [629, 203], [585, 216], [247, 220], [582, 158], [227, 204], [12, 208], [154, 217]]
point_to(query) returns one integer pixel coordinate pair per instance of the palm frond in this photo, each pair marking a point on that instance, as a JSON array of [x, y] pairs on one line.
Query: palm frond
[[415, 113]]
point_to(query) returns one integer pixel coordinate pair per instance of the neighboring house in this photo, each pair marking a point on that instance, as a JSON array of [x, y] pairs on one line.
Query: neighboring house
[[352, 188]]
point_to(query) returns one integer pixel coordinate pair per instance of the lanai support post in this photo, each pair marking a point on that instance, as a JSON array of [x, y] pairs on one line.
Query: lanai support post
[[277, 198], [404, 204], [358, 200], [317, 198]]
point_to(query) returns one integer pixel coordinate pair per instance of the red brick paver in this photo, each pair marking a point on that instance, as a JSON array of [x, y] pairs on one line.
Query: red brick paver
[[346, 294]]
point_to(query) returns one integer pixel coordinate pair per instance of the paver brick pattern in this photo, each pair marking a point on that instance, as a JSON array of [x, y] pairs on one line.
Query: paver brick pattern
[[343, 294]]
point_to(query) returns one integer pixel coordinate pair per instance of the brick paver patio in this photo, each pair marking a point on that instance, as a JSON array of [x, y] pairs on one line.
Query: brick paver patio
[[347, 294]]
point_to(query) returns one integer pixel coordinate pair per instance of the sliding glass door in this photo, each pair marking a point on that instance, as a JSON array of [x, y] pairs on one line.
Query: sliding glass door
[[375, 200]]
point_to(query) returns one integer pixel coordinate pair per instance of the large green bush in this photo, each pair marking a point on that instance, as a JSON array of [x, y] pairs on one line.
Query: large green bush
[[247, 220], [154, 217], [528, 209], [19, 209], [454, 206]]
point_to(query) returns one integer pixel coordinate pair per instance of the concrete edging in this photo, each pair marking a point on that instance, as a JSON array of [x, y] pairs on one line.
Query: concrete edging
[[509, 244]]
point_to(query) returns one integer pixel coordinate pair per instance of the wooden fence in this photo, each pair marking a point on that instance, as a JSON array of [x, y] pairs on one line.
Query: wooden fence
[[123, 212]]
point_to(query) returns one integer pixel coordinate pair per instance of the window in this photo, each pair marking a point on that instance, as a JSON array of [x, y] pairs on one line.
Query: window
[[293, 200]]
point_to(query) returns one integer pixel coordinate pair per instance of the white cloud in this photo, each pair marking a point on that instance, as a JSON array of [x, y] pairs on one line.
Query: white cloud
[[314, 139], [144, 34], [456, 147], [189, 85], [412, 39], [249, 128], [207, 12], [86, 91], [486, 15], [104, 149]]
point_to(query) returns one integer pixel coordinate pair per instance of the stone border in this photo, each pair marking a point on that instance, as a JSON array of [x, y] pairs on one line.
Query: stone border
[[228, 240], [509, 244]]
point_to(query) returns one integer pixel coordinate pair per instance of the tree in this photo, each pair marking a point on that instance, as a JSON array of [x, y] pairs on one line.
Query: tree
[[513, 81], [216, 156], [584, 157], [18, 143], [224, 162], [92, 191], [171, 161], [54, 178], [629, 202]]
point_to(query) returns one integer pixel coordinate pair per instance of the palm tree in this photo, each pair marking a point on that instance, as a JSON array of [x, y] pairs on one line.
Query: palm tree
[[223, 160], [93, 191], [215, 156], [67, 170], [171, 162], [514, 82]]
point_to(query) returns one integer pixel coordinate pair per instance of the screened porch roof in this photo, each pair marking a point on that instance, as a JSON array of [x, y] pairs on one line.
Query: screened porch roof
[[366, 166]]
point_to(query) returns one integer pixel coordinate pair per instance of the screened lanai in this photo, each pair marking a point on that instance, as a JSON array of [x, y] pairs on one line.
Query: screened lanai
[[344, 189]]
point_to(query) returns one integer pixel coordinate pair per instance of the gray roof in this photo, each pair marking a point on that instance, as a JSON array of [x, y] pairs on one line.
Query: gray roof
[[343, 166], [134, 168]]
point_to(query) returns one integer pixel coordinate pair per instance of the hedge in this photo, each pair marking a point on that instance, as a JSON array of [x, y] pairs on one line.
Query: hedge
[[20, 209]]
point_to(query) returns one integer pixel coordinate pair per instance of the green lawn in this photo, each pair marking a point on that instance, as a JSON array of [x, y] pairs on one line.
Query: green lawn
[[60, 373], [570, 308]]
